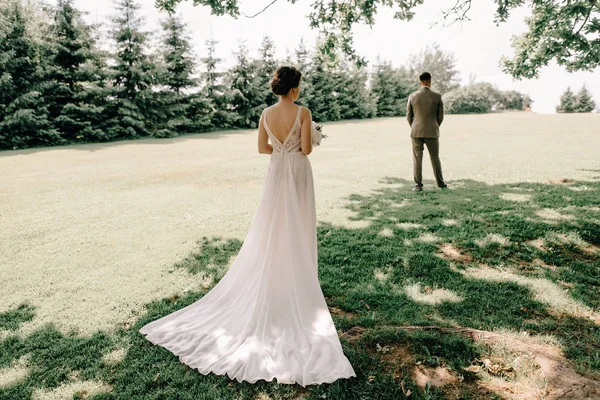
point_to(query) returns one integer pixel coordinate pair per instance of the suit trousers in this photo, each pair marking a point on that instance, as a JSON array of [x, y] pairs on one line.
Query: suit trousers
[[433, 146]]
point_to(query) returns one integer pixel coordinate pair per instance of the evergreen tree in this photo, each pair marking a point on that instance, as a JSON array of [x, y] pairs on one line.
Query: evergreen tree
[[214, 91], [354, 98], [405, 85], [303, 64], [212, 76], [132, 74], [72, 87], [584, 101], [266, 67], [288, 60], [199, 113], [568, 102], [391, 88], [324, 91], [172, 114], [177, 56], [382, 89], [302, 56], [24, 120], [246, 95]]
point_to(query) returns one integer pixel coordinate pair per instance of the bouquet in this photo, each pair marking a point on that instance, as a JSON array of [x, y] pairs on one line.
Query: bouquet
[[317, 134]]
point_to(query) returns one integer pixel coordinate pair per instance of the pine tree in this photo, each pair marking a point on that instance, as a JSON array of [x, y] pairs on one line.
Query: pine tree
[[383, 91], [171, 114], [132, 75], [323, 89], [303, 64], [214, 90], [24, 120], [584, 101], [246, 95], [391, 88], [177, 55], [302, 56], [354, 98], [568, 102], [73, 88], [405, 84], [266, 66], [212, 77], [288, 59]]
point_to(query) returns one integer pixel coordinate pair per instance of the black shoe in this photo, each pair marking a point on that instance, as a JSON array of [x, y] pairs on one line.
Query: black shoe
[[417, 189], [444, 187]]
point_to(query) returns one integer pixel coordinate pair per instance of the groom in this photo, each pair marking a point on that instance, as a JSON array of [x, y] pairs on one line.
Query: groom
[[425, 113]]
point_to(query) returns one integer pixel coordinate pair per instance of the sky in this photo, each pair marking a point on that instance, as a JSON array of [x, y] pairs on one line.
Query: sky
[[478, 44]]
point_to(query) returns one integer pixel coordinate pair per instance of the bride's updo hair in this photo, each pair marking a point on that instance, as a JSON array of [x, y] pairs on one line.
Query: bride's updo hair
[[285, 79]]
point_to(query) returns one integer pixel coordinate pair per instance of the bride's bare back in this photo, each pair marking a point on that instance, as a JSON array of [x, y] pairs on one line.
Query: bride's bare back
[[281, 118], [284, 119]]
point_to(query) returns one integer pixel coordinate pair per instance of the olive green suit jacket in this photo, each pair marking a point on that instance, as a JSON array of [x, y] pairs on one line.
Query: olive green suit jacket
[[425, 113]]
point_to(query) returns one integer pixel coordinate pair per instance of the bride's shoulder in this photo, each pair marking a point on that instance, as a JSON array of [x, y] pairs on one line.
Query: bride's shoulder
[[265, 111], [304, 112]]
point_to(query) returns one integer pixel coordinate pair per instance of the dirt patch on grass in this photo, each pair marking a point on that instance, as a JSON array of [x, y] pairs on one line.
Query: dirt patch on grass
[[539, 244], [544, 371], [435, 376], [353, 334], [561, 181], [451, 253], [342, 313]]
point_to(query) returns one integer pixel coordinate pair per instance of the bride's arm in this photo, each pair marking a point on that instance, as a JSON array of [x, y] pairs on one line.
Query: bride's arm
[[263, 139], [306, 133]]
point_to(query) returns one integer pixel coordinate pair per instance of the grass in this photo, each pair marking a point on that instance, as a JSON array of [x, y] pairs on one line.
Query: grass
[[401, 289]]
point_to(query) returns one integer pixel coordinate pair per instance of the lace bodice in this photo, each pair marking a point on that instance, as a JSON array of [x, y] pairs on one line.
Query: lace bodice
[[292, 141]]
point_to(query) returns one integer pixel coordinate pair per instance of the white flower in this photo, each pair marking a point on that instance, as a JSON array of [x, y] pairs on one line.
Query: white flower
[[317, 134]]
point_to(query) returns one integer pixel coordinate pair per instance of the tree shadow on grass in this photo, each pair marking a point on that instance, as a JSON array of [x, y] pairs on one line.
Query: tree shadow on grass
[[50, 357], [13, 319], [537, 231], [476, 257]]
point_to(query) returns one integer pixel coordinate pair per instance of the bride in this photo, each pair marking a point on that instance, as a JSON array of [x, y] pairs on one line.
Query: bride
[[267, 317]]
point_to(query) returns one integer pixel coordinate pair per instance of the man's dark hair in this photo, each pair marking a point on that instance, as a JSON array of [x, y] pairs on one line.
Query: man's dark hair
[[425, 77]]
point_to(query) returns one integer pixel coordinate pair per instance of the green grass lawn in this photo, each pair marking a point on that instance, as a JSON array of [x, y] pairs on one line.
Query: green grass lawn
[[520, 258]]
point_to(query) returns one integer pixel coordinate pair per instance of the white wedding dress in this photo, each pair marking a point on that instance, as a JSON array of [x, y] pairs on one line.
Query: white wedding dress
[[267, 317]]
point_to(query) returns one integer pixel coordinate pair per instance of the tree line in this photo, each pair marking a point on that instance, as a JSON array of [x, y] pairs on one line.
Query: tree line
[[58, 86], [582, 102]]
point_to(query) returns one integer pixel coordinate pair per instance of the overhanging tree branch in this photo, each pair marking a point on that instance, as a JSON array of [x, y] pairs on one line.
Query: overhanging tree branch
[[261, 11], [459, 10], [587, 17], [554, 31]]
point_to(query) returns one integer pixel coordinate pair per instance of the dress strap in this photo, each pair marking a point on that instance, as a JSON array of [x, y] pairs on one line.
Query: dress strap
[[298, 115]]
